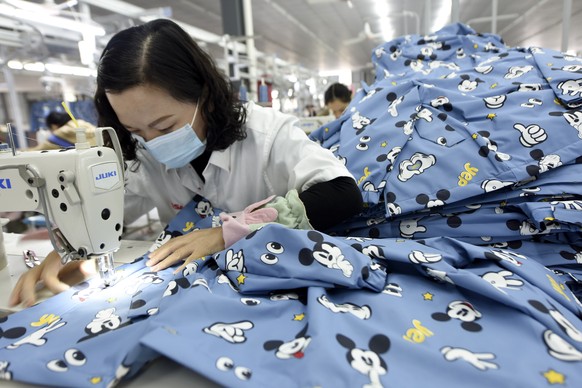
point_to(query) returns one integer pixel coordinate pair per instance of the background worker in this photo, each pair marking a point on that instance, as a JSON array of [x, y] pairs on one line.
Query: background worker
[[336, 98], [63, 132]]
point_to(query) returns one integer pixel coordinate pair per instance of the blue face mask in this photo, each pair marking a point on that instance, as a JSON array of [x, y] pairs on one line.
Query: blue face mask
[[175, 149]]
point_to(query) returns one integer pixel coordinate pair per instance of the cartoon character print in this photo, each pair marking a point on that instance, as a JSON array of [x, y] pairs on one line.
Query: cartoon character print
[[517, 71], [325, 253], [419, 257], [491, 146], [527, 228], [204, 208], [416, 165], [570, 68], [464, 312], [363, 144], [37, 338], [362, 312], [508, 256], [573, 118], [571, 87], [446, 65], [105, 321], [442, 101], [416, 66], [226, 364], [407, 126], [290, 349], [359, 122], [120, 373], [489, 185], [556, 345], [467, 84], [408, 228], [370, 94], [71, 358], [441, 196], [164, 236], [392, 208], [394, 101], [501, 280], [175, 285], [273, 250], [5, 373], [230, 332], [532, 135], [568, 205], [368, 362], [427, 53], [370, 188], [485, 69], [545, 162], [576, 256], [84, 291], [532, 103], [495, 102], [235, 261], [393, 289], [391, 157], [480, 361], [138, 284], [438, 275], [13, 332], [527, 87]]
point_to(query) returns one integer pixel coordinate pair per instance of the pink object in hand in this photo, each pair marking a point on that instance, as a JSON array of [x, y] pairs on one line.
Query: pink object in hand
[[236, 225]]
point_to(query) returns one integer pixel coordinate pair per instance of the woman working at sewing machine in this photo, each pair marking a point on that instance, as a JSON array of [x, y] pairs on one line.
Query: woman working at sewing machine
[[183, 133]]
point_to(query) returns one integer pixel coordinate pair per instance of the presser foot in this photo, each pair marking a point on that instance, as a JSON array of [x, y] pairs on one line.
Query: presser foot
[[106, 268]]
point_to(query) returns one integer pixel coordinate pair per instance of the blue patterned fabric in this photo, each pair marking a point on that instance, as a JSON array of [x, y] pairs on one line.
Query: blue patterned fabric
[[464, 269]]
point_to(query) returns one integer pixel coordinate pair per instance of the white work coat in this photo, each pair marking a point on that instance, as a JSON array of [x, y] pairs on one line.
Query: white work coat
[[275, 157]]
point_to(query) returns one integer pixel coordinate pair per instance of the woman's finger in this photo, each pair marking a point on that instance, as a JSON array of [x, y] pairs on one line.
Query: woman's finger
[[50, 277]]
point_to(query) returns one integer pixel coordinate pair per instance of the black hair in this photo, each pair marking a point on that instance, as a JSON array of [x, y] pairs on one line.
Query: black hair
[[161, 54], [337, 91], [57, 118]]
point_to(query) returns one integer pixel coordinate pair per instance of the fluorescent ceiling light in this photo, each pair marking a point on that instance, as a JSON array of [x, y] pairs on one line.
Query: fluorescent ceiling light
[[54, 68], [52, 21]]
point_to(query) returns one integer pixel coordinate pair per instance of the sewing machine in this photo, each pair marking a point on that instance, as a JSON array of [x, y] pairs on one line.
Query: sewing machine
[[79, 191]]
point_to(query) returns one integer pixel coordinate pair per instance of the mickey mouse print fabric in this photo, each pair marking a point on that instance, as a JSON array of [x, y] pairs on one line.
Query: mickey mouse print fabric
[[464, 268]]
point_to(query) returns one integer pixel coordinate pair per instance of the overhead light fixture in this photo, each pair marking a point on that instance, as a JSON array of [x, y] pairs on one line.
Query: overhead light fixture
[[52, 21], [54, 68]]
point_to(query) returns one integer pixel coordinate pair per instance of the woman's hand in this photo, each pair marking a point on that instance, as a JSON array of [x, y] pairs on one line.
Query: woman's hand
[[187, 248], [54, 275]]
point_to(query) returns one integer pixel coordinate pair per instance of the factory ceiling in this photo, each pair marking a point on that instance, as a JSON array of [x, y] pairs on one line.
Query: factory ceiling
[[318, 35]]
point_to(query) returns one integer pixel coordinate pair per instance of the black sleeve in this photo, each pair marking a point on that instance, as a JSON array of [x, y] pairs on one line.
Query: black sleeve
[[329, 203]]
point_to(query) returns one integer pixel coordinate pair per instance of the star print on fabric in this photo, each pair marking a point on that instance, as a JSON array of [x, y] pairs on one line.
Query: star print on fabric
[[113, 299], [554, 377], [491, 116], [95, 380], [241, 279], [299, 317], [428, 296], [384, 144]]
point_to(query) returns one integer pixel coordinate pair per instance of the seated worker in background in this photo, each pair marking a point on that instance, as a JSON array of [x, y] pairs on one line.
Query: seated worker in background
[[183, 132], [63, 132], [336, 98]]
